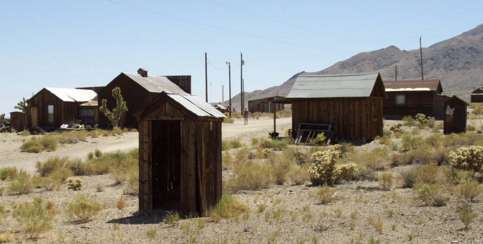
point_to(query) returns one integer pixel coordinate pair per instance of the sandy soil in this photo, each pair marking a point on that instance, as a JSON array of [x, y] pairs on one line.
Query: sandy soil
[[10, 154]]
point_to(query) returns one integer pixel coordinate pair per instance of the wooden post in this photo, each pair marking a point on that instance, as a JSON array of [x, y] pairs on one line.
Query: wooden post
[[274, 119]]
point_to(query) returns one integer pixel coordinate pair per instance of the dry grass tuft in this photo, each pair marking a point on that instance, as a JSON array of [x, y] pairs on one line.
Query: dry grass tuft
[[228, 207], [82, 209], [326, 195], [34, 217]]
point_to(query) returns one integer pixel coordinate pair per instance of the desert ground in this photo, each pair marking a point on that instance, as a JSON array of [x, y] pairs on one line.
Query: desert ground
[[274, 199]]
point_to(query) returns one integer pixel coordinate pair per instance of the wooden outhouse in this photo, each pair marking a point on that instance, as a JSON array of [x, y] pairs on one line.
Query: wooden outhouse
[[456, 115], [179, 155], [410, 97], [349, 105]]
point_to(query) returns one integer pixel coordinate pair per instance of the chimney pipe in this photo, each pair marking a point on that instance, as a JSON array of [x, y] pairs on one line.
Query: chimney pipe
[[142, 72]]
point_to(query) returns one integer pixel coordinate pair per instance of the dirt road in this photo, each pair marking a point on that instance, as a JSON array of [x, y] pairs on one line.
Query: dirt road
[[10, 155]]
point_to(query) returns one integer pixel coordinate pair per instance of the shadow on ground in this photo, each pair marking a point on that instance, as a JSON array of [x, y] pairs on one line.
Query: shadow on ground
[[140, 218]]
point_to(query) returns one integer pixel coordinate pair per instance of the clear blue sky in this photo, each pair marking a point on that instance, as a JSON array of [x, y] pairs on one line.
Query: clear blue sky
[[89, 42]]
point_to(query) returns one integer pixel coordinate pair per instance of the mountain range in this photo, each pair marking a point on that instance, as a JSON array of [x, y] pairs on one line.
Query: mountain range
[[457, 62]]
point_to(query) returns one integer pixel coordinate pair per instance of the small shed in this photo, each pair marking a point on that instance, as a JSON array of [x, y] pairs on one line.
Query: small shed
[[477, 95], [52, 107], [18, 121], [179, 155], [410, 97], [350, 104], [456, 115]]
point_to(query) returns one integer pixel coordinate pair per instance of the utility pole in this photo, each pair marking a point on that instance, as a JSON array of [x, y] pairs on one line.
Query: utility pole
[[222, 93], [242, 88], [421, 57], [206, 77], [229, 87], [395, 72]]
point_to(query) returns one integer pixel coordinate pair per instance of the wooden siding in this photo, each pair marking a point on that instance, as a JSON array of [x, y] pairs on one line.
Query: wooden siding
[[477, 98], [416, 102], [264, 106], [200, 185], [137, 98], [18, 121], [353, 119]]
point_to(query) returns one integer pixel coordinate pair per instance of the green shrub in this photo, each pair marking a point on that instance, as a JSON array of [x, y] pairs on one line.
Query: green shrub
[[466, 214], [52, 164], [274, 144], [34, 217], [22, 184], [467, 158], [97, 153], [82, 209], [8, 173], [326, 195], [320, 139], [424, 121], [386, 181], [74, 184], [347, 172], [228, 207], [250, 175], [431, 195], [32, 146], [469, 190]]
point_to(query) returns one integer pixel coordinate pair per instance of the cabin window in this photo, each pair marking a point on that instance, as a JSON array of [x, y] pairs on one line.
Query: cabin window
[[50, 113], [400, 99]]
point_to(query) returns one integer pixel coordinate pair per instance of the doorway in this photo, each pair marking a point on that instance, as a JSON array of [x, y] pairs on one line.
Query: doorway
[[34, 117], [166, 143]]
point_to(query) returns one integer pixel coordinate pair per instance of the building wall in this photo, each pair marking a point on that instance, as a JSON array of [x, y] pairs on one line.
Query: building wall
[[456, 123], [18, 121], [353, 119], [416, 102], [477, 98]]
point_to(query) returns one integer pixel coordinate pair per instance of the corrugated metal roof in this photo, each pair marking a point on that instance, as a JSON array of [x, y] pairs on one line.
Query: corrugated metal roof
[[331, 86], [196, 105], [73, 95], [394, 85], [156, 84]]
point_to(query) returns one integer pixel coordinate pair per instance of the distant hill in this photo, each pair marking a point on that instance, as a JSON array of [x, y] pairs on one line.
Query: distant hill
[[457, 62]]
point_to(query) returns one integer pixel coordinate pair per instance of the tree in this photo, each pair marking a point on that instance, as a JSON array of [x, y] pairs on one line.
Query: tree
[[2, 118], [114, 115], [22, 105]]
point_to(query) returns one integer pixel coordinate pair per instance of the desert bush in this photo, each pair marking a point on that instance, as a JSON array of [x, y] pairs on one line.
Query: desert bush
[[34, 217], [469, 190], [263, 152], [385, 139], [409, 121], [132, 187], [280, 167], [52, 164], [250, 175], [466, 214], [122, 164], [424, 121], [409, 178], [274, 144], [376, 159], [227, 160], [228, 207], [386, 181], [82, 209], [322, 171], [74, 184], [326, 195], [228, 120], [8, 173], [32, 146], [320, 139], [22, 184], [430, 174], [409, 142], [298, 175], [347, 172], [97, 153], [171, 218], [431, 195], [467, 158]]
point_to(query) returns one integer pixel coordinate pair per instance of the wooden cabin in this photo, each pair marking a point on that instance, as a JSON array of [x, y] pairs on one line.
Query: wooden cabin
[[350, 104], [18, 121], [179, 155], [456, 115], [477, 95], [52, 107], [139, 91], [410, 97], [264, 105]]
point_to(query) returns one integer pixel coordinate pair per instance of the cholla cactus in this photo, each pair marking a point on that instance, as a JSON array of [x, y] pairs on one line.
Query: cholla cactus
[[467, 158], [322, 171], [114, 115]]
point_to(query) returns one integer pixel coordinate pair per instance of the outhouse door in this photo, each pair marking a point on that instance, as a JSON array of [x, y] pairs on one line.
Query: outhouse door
[[166, 154]]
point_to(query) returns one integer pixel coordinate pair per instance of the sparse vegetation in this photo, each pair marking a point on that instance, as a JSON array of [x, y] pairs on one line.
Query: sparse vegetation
[[8, 173], [34, 217], [466, 214], [386, 181], [326, 194], [467, 158], [22, 184], [82, 209], [228, 207], [431, 195], [469, 190]]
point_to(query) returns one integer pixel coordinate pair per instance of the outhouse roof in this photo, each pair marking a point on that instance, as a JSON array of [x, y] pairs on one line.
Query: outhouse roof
[[196, 105]]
